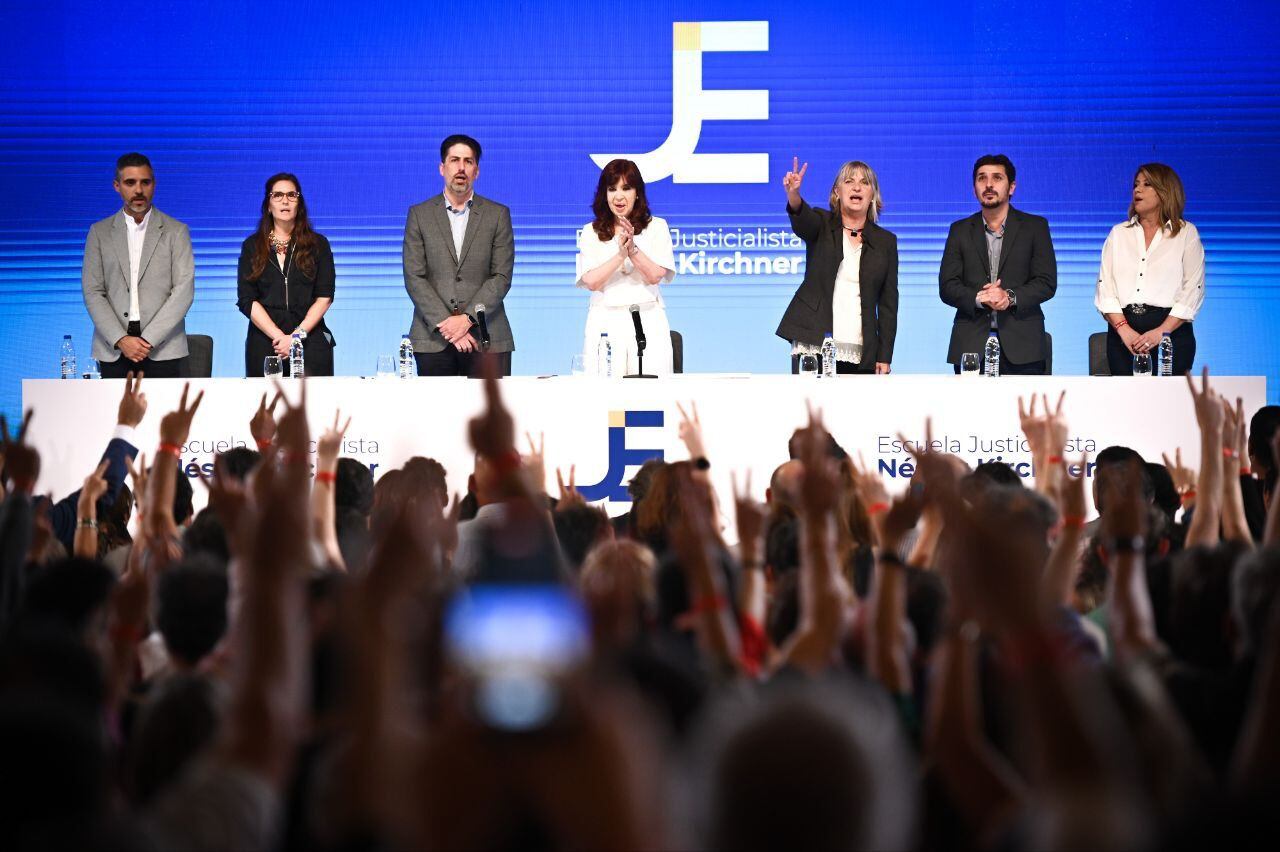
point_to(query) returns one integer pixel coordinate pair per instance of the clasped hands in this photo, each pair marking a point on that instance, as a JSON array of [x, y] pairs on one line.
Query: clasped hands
[[134, 348], [994, 296], [1137, 342], [457, 330], [626, 237]]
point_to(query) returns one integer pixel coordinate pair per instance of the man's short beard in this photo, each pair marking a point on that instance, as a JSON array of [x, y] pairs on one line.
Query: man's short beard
[[985, 203]]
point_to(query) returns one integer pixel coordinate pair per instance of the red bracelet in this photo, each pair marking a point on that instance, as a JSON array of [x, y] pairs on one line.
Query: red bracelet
[[172, 449], [1187, 496], [1121, 324], [1073, 522], [1054, 459], [326, 476], [1229, 453], [1246, 471], [263, 446], [877, 508]]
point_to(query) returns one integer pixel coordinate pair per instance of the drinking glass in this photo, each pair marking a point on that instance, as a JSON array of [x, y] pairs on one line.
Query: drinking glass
[[970, 364], [386, 367], [272, 365], [809, 364], [1141, 364]]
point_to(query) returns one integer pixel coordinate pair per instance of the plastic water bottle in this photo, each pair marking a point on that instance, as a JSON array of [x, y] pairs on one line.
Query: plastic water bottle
[[991, 354], [67, 358], [828, 357], [408, 365], [297, 361], [1166, 354], [604, 356]]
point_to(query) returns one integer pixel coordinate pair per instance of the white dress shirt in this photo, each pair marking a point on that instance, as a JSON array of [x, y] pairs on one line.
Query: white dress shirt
[[458, 218], [627, 286], [1169, 273], [846, 304], [137, 234]]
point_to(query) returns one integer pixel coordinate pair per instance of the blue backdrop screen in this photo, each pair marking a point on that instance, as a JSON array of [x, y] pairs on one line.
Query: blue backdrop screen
[[355, 98]]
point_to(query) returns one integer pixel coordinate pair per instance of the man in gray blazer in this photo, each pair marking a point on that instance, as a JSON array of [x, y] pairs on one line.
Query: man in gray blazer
[[138, 281], [459, 252]]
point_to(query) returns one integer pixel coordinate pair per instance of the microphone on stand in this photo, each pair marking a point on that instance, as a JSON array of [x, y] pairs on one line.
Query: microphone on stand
[[635, 320], [484, 327], [640, 345]]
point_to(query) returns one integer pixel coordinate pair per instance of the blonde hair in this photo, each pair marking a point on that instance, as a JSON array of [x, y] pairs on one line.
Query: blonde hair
[[851, 169], [1168, 187]]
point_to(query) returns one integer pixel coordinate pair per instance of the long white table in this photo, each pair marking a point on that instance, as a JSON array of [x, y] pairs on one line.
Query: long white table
[[604, 428]]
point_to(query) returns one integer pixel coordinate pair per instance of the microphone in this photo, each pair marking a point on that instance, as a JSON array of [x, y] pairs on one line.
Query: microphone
[[635, 320], [484, 326]]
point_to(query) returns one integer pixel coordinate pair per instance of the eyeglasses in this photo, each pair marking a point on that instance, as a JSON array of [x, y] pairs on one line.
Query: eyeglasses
[[281, 196]]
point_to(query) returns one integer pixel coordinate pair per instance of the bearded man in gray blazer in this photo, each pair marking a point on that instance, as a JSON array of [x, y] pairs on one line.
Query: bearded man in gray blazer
[[459, 252], [138, 280]]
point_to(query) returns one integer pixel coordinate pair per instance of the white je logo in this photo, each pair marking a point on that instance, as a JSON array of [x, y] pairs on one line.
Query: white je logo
[[691, 105]]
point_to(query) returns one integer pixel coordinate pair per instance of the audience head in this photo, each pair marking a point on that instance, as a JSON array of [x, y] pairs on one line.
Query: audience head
[[239, 462], [811, 766], [1255, 585], [579, 528], [206, 535], [72, 594], [1262, 429], [353, 486], [784, 485], [426, 478], [191, 608], [617, 584], [1116, 458]]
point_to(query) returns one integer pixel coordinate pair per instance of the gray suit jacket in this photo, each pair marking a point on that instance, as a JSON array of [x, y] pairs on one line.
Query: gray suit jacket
[[166, 285], [438, 280]]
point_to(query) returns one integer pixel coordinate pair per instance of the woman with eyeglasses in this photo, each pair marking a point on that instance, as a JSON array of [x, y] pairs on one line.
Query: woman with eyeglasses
[[286, 281]]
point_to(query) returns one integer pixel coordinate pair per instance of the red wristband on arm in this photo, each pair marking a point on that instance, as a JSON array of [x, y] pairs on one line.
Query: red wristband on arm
[[172, 449], [326, 476], [263, 446], [877, 508]]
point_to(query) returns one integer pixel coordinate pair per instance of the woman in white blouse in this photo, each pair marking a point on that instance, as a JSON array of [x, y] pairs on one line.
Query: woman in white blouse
[[1152, 278], [624, 254]]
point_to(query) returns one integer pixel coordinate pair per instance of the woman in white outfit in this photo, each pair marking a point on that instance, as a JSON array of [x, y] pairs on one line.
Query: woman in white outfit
[[623, 257]]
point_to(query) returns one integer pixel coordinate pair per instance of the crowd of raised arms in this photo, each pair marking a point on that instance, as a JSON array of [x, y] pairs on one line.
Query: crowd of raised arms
[[967, 664]]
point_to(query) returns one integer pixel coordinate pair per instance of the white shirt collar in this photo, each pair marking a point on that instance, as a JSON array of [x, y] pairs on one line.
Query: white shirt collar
[[466, 205], [137, 226]]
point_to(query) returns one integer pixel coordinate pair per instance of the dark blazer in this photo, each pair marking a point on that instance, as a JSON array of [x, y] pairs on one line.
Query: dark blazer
[[287, 306], [440, 281], [808, 317], [62, 515], [1027, 267]]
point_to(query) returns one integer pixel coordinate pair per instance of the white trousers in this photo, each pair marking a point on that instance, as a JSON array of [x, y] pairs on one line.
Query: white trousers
[[616, 322]]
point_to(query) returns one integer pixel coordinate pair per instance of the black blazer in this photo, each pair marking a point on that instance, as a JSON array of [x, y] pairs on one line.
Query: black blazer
[[1027, 267], [808, 317], [286, 309]]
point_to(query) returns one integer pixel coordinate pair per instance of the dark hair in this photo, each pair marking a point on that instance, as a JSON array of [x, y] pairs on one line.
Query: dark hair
[[238, 462], [182, 496], [1113, 457], [180, 717], [427, 476], [1262, 428], [995, 160], [191, 607], [579, 528], [996, 473], [207, 535], [1200, 604], [1255, 582], [629, 173], [639, 484], [132, 160], [459, 139], [833, 448], [353, 486], [782, 543], [303, 238], [1166, 493], [67, 593]]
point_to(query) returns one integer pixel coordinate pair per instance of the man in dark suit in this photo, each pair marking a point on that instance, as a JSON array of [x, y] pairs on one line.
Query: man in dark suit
[[459, 252], [997, 268]]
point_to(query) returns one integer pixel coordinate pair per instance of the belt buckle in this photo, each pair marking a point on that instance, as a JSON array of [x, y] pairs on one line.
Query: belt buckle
[[1136, 309]]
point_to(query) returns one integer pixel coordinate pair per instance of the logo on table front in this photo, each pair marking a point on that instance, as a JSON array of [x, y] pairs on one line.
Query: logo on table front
[[611, 487], [691, 105]]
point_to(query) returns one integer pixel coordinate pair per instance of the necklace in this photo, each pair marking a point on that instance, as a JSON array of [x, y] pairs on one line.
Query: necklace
[[279, 246]]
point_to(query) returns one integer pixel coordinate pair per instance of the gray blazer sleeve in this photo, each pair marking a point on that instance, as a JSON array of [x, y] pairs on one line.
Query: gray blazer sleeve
[[93, 284], [417, 280], [502, 261], [182, 276]]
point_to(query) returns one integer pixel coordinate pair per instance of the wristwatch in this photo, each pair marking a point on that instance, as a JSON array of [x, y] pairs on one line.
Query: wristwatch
[[1013, 298]]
